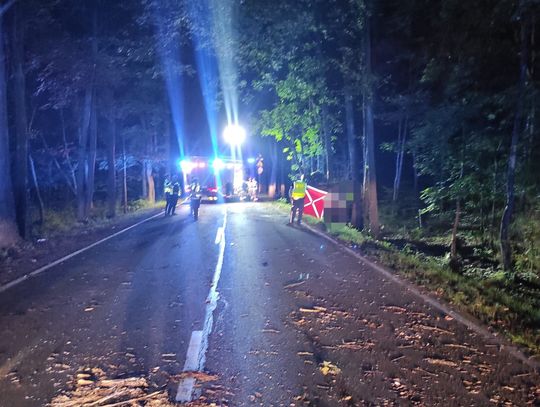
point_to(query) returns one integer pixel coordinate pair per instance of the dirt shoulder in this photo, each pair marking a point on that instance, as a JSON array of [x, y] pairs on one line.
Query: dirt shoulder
[[28, 256]]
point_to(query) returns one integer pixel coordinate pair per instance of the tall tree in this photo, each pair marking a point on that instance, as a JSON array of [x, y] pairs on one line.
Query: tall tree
[[523, 15], [111, 120], [21, 121], [8, 227], [370, 180]]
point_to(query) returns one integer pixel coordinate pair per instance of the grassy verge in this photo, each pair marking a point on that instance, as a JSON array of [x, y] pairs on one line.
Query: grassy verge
[[57, 222], [509, 306]]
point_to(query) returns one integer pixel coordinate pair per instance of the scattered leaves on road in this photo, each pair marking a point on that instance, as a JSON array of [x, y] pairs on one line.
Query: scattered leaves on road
[[328, 368]]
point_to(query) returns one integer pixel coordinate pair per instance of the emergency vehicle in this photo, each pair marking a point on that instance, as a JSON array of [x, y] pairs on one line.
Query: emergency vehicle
[[220, 179]]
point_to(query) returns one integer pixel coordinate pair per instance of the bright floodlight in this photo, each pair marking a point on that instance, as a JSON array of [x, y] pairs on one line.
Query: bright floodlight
[[234, 134]]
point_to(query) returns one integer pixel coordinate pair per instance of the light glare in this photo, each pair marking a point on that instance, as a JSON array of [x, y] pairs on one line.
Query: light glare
[[186, 166], [218, 164], [234, 134]]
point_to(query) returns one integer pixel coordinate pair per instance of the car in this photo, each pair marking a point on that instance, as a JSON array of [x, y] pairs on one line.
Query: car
[[209, 194]]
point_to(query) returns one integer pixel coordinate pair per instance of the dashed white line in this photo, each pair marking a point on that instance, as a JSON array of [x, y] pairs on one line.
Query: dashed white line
[[196, 354], [185, 387], [194, 348], [219, 235]]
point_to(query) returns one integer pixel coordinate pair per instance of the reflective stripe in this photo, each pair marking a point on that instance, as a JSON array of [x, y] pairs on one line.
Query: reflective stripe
[[299, 190]]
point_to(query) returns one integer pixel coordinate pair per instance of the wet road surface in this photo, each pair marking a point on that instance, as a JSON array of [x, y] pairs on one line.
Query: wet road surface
[[302, 322], [298, 321]]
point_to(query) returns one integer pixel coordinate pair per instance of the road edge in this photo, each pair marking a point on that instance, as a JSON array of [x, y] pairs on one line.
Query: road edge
[[41, 269], [434, 302]]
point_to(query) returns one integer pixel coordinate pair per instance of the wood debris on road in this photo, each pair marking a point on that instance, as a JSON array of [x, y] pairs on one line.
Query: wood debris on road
[[93, 389]]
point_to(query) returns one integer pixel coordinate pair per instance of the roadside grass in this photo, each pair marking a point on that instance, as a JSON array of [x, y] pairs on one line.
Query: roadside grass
[[490, 295], [61, 221]]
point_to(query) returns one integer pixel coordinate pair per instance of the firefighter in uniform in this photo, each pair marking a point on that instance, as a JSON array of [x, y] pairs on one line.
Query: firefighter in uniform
[[297, 194]]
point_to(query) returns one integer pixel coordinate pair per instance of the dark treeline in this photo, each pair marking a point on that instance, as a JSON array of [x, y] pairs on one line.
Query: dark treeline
[[428, 106], [442, 94], [86, 122]]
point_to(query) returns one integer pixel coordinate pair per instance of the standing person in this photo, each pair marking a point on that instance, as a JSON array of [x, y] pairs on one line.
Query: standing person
[[297, 193], [167, 189], [245, 190], [253, 189], [174, 198], [195, 198]]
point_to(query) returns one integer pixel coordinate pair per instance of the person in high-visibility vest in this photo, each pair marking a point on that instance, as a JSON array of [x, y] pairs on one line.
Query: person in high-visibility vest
[[168, 190], [297, 194], [173, 199]]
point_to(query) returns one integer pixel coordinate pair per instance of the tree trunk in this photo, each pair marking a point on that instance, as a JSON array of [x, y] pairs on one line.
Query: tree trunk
[[352, 142], [82, 155], [171, 148], [150, 182], [415, 175], [272, 187], [111, 171], [365, 172], [87, 139], [371, 188], [73, 183], [402, 137], [144, 180], [91, 160], [327, 142], [493, 219], [351, 136], [21, 126], [506, 249], [124, 176], [36, 189], [91, 172], [8, 226], [453, 244]]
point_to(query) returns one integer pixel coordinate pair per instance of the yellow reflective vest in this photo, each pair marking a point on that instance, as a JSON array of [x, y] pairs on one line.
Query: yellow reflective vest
[[168, 189], [299, 190]]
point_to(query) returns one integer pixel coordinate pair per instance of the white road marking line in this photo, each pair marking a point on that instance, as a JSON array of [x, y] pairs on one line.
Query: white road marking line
[[192, 359], [69, 256], [219, 235], [186, 386], [185, 390]]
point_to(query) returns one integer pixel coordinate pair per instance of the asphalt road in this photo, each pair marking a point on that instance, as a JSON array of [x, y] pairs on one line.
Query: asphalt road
[[297, 321]]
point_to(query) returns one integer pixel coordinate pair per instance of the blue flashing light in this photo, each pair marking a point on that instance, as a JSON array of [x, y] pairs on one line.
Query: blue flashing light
[[251, 160]]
